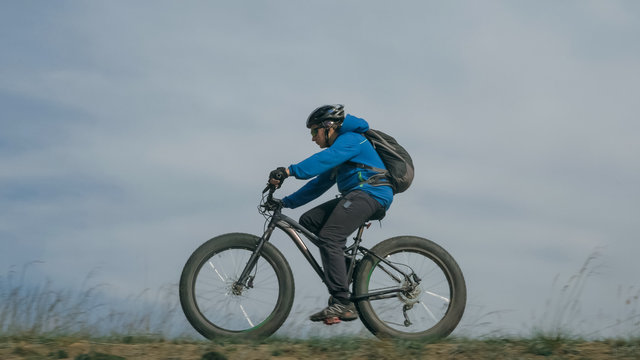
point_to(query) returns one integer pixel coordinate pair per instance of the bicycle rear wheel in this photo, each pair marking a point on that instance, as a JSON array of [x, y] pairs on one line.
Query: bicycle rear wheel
[[431, 309], [215, 308]]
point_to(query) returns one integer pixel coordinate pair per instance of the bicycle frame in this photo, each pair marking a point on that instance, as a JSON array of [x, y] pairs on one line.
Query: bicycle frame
[[292, 228]]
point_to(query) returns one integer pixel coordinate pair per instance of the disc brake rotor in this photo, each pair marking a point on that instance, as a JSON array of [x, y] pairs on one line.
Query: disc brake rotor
[[411, 296]]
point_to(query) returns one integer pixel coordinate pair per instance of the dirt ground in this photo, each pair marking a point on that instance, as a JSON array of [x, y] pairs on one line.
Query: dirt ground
[[365, 350]]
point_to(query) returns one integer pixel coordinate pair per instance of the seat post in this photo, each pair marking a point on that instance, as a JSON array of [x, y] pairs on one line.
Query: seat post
[[351, 251], [361, 230]]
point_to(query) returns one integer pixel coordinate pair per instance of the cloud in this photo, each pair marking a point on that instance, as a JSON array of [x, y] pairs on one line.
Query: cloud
[[130, 133]]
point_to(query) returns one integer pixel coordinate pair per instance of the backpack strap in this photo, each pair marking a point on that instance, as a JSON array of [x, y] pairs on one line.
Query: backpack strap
[[364, 166], [374, 180]]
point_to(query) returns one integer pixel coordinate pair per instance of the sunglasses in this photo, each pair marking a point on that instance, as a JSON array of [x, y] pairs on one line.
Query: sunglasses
[[314, 131]]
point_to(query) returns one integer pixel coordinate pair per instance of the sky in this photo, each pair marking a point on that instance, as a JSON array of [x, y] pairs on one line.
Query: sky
[[131, 132]]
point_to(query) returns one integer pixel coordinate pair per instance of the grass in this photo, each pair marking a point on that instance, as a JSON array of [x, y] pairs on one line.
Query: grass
[[39, 314], [564, 307], [562, 318], [331, 348], [39, 310]]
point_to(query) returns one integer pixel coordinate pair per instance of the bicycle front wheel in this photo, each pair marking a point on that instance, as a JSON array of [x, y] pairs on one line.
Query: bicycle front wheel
[[215, 306], [434, 296]]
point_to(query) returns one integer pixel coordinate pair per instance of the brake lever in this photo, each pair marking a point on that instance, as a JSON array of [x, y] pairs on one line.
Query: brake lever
[[271, 188]]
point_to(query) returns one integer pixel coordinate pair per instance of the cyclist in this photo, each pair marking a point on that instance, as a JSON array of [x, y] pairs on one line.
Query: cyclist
[[362, 196]]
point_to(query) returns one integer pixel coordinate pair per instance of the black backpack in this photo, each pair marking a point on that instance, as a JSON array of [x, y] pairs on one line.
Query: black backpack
[[396, 159]]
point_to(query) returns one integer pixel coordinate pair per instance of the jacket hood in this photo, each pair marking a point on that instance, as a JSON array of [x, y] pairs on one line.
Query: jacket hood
[[353, 124]]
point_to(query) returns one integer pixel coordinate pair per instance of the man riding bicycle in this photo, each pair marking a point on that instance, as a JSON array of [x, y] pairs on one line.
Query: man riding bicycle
[[347, 159]]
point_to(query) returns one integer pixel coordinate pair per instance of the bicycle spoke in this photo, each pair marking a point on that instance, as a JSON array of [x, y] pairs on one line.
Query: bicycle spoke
[[438, 296], [429, 312], [217, 272], [426, 300], [230, 308], [246, 316]]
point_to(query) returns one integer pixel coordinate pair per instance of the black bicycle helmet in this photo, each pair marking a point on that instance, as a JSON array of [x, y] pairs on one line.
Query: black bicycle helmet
[[326, 115]]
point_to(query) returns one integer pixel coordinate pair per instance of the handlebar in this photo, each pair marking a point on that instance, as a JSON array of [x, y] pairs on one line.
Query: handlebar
[[268, 203], [269, 187]]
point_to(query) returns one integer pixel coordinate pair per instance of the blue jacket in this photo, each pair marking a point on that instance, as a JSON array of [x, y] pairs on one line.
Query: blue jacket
[[328, 167]]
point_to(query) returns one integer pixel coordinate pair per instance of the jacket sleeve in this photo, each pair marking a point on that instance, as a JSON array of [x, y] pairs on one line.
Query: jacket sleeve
[[345, 147], [310, 190]]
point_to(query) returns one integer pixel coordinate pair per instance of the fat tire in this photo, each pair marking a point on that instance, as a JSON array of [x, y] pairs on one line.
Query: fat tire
[[216, 245], [440, 257]]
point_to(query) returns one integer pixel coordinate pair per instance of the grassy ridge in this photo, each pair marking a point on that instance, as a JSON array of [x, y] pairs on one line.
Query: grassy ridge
[[39, 321], [38, 309], [326, 348]]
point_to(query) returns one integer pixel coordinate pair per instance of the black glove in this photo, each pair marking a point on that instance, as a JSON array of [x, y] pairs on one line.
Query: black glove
[[278, 175]]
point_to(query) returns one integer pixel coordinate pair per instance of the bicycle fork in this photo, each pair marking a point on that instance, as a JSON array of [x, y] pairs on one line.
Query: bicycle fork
[[245, 280]]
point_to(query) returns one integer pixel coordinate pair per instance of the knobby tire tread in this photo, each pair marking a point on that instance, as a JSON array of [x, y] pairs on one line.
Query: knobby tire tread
[[441, 257], [229, 241]]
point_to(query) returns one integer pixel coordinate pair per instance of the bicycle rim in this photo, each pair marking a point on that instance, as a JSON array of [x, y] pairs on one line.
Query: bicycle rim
[[216, 301]]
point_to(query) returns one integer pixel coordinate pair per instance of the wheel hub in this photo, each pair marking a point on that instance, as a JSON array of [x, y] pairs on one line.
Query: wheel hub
[[411, 296], [236, 289]]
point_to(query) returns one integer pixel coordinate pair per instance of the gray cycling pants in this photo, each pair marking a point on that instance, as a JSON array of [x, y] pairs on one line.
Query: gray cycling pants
[[332, 222]]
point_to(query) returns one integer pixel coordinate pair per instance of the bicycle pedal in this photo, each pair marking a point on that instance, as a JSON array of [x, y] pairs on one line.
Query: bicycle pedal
[[331, 321]]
